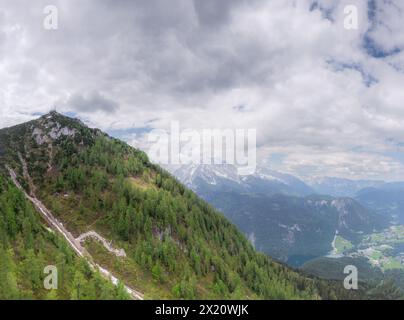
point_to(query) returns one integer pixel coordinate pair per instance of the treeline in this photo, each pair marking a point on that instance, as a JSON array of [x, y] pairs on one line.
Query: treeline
[[26, 248]]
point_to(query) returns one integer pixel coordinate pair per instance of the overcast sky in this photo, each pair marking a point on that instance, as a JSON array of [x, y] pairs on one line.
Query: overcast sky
[[325, 100]]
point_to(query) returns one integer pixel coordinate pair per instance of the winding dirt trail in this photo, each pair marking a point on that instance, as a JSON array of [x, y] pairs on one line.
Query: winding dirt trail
[[72, 241], [94, 235]]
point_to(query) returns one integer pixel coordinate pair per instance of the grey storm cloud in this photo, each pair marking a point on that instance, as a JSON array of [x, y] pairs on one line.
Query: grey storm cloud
[[176, 47], [91, 102], [212, 13]]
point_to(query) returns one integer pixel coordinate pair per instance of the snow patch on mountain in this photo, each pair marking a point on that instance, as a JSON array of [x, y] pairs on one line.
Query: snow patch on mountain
[[263, 180]]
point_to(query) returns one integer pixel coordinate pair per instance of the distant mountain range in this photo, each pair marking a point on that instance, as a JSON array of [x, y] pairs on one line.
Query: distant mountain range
[[280, 214], [225, 178], [339, 187], [67, 189], [386, 199], [152, 233]]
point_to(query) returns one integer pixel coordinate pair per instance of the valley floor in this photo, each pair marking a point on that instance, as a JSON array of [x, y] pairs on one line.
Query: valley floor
[[384, 250]]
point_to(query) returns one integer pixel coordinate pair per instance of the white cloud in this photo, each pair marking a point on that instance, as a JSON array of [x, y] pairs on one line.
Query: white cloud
[[350, 165], [295, 74]]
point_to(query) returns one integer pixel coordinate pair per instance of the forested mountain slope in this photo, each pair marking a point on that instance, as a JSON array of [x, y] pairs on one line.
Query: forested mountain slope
[[26, 247], [176, 246], [295, 229]]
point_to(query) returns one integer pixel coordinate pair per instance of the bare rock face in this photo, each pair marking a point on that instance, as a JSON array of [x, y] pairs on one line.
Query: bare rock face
[[49, 129], [57, 132], [40, 136]]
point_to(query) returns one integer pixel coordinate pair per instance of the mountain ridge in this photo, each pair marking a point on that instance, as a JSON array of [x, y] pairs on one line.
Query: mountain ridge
[[264, 180], [88, 179], [282, 221], [340, 187]]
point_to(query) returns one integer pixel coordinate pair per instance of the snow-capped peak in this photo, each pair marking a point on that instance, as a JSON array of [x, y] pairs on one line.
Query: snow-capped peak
[[208, 173]]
